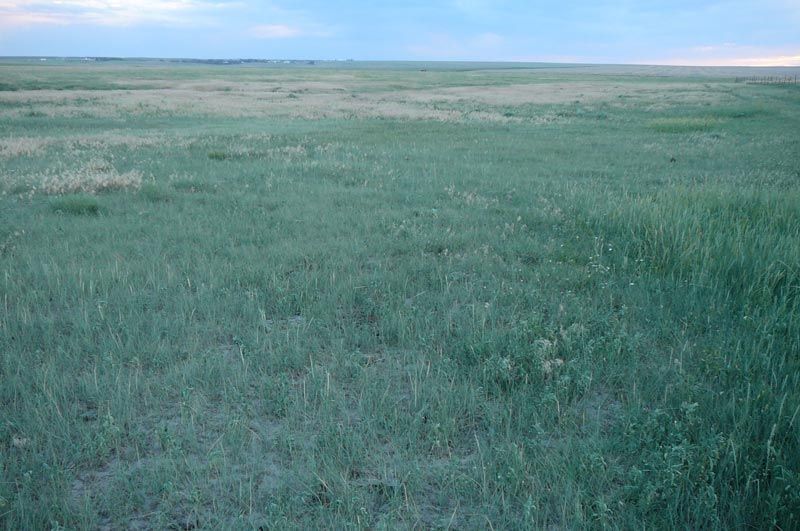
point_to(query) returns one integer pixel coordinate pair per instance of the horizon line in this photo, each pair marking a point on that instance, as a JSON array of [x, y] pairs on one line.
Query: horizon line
[[351, 60]]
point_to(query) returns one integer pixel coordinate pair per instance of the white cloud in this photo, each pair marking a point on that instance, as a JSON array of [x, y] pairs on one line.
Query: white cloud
[[23, 13], [275, 31], [764, 60], [731, 54], [775, 60]]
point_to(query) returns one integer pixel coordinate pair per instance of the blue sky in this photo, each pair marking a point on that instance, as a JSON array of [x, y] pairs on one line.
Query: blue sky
[[724, 32]]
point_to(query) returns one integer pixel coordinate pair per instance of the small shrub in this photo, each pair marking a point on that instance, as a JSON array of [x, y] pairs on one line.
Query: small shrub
[[77, 205], [19, 189], [682, 125], [218, 155], [740, 112], [155, 193]]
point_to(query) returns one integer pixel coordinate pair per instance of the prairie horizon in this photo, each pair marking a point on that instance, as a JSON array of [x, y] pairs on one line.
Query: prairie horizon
[[695, 69]]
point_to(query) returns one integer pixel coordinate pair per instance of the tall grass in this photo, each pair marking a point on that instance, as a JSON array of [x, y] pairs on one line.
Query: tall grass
[[742, 243], [76, 204], [728, 258]]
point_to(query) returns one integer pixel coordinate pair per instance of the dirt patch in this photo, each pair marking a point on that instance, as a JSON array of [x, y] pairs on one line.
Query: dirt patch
[[598, 412], [89, 486], [177, 468]]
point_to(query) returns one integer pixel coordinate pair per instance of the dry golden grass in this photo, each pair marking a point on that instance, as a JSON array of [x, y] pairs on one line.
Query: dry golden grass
[[95, 176], [30, 146], [344, 97], [22, 146]]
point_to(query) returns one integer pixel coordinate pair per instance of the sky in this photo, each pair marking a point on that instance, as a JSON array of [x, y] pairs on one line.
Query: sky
[[678, 32]]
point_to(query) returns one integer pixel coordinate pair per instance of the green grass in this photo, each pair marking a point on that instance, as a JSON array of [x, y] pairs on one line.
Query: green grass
[[77, 204], [156, 192], [682, 125], [376, 322], [218, 155]]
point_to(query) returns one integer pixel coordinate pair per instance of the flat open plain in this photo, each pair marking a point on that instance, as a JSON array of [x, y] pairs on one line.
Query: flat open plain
[[398, 296]]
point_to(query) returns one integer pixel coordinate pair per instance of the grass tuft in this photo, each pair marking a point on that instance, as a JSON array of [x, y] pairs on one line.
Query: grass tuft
[[192, 186], [218, 155], [76, 205], [155, 193], [682, 125]]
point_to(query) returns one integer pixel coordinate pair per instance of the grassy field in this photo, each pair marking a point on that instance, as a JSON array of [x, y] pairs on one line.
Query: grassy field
[[294, 297]]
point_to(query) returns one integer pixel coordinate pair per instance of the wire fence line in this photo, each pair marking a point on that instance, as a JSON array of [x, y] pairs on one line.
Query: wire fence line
[[769, 80]]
